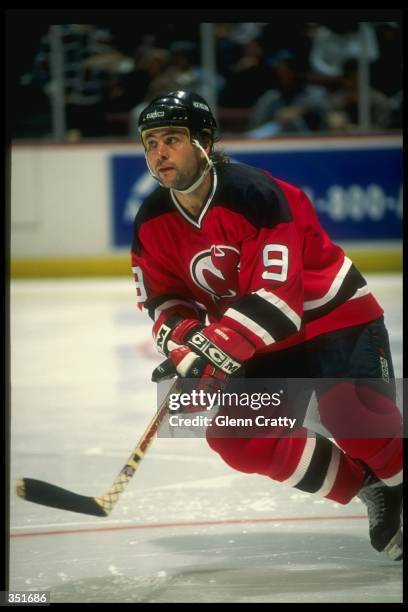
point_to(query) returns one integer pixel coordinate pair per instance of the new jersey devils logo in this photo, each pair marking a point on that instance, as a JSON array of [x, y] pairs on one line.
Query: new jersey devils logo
[[216, 271]]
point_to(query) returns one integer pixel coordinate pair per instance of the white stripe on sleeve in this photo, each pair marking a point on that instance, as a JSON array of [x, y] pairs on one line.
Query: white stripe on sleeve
[[334, 288], [304, 462], [170, 304], [361, 291], [256, 329], [332, 472], [283, 306]]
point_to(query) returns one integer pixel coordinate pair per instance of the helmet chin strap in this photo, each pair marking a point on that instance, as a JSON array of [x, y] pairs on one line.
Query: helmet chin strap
[[196, 183], [206, 170]]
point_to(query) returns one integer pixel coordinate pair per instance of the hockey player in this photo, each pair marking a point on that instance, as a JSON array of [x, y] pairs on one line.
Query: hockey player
[[281, 300]]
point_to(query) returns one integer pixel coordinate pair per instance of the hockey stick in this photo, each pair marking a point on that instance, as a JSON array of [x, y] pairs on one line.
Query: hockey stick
[[48, 494]]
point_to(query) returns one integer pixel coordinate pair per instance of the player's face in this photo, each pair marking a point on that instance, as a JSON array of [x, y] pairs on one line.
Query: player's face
[[172, 157]]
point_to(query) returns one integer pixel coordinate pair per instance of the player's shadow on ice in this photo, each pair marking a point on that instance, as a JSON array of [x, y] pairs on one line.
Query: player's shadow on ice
[[239, 567]]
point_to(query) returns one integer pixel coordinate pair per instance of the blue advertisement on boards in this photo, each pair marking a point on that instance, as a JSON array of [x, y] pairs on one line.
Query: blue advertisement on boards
[[357, 192]]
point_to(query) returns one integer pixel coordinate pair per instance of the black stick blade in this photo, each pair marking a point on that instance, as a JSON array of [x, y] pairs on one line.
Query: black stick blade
[[47, 494]]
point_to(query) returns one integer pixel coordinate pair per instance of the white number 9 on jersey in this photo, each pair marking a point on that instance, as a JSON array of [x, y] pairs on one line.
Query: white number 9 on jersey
[[141, 294], [276, 256]]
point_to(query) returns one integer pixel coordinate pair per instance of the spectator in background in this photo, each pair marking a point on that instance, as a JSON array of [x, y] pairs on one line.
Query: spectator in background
[[89, 59], [181, 70], [248, 79], [230, 38], [127, 90], [186, 65], [386, 71], [344, 103], [332, 46], [228, 51], [292, 105], [295, 36]]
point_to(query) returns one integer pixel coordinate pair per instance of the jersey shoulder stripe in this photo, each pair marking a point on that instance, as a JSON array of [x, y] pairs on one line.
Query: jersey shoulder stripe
[[253, 193]]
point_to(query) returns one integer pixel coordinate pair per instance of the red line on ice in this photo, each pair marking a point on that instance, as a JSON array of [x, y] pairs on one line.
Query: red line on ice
[[285, 519]]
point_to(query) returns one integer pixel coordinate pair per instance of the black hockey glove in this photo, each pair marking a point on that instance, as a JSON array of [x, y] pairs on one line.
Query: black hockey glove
[[164, 371]]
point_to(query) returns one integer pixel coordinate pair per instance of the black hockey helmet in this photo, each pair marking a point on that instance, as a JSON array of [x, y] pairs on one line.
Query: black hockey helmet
[[179, 109]]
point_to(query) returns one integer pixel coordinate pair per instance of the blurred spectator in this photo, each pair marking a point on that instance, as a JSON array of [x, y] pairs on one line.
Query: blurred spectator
[[291, 106], [343, 104], [180, 70], [185, 66], [89, 59], [244, 32], [332, 47], [248, 79], [128, 89], [295, 38], [258, 86], [386, 72], [230, 38]]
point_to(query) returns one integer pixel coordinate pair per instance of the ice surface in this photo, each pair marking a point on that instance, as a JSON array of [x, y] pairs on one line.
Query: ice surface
[[188, 528]]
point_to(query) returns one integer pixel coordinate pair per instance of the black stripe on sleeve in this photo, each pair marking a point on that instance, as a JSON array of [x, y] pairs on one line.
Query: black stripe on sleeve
[[160, 299], [352, 281], [313, 480], [266, 315]]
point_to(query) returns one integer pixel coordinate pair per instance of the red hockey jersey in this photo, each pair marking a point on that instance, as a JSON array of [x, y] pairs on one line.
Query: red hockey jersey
[[257, 259]]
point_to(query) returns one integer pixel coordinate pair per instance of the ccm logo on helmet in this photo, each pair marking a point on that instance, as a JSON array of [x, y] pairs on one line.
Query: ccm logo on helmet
[[155, 115]]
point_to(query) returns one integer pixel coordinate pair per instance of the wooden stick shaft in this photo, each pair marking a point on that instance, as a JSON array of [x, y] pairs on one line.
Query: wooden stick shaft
[[108, 500], [47, 494]]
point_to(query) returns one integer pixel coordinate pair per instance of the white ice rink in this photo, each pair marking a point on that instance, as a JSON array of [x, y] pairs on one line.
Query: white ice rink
[[188, 528]]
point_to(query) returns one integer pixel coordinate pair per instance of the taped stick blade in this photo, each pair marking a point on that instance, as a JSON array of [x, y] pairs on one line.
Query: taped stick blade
[[47, 494]]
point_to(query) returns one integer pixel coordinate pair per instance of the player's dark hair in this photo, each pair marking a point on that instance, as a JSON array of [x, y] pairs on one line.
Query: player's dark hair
[[217, 155]]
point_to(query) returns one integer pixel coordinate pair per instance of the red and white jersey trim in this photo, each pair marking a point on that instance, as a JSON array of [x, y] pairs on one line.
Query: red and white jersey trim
[[303, 464], [332, 472], [360, 292], [170, 304], [282, 305], [248, 323], [334, 288]]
